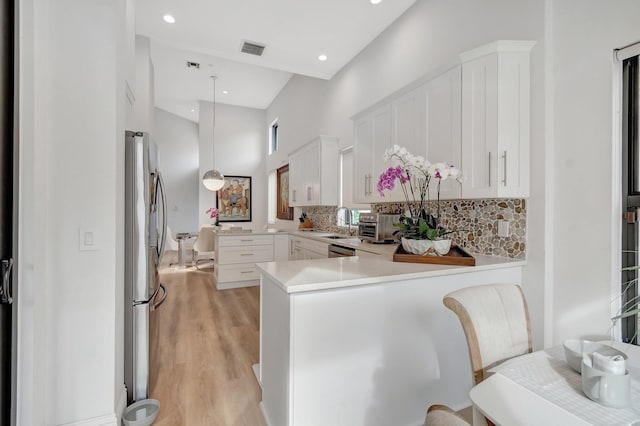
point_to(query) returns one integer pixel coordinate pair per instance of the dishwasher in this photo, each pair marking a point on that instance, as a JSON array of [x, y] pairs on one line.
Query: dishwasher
[[341, 251]]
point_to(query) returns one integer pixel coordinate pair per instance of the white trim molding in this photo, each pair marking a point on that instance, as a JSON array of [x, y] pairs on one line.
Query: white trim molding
[[121, 404], [627, 52], [497, 46], [106, 420]]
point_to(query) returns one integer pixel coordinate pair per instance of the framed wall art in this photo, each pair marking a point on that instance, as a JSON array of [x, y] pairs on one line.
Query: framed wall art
[[234, 199], [283, 210]]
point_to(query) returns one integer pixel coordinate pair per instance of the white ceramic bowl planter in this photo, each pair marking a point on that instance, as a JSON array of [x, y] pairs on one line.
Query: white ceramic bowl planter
[[442, 247]]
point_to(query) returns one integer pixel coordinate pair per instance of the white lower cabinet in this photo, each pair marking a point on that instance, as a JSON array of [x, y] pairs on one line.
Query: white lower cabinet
[[236, 258], [362, 253], [305, 248], [280, 247]]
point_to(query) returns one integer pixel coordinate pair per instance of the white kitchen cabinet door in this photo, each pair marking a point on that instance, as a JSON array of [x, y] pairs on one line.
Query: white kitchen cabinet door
[[480, 126], [296, 182], [408, 129], [295, 248], [372, 137], [313, 173], [381, 142], [495, 120], [362, 158], [443, 120], [312, 188], [281, 247]]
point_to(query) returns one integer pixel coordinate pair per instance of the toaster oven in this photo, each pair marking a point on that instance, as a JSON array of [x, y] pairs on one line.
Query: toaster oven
[[377, 227]]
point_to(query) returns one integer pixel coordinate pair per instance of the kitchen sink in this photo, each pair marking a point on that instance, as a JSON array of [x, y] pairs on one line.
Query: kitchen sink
[[338, 237]]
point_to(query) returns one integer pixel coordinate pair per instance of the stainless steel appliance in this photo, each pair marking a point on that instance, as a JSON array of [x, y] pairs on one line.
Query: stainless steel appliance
[[145, 227], [9, 148], [377, 227], [341, 251]]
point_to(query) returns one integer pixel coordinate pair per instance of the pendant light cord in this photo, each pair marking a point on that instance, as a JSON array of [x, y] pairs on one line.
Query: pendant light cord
[[213, 131]]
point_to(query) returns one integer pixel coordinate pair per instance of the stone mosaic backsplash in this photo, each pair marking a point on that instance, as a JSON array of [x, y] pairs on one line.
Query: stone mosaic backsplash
[[477, 221]]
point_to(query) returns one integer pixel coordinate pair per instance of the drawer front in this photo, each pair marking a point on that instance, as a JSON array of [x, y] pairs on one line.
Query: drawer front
[[228, 273], [255, 254], [245, 240]]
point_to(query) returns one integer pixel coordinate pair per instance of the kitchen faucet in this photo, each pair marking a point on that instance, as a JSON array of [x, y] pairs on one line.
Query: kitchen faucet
[[347, 217]]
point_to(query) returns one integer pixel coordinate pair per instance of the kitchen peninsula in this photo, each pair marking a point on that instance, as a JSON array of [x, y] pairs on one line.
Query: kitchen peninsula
[[364, 340]]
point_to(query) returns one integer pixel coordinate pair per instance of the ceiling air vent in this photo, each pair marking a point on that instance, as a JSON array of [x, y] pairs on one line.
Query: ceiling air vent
[[252, 48], [194, 65]]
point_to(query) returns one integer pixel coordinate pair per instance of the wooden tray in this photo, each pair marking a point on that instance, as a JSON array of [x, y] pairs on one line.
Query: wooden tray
[[456, 256]]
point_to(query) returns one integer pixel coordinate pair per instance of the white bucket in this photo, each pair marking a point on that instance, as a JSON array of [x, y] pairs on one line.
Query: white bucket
[[141, 413]]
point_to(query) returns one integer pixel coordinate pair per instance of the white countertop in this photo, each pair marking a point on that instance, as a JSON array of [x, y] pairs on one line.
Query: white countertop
[[322, 274], [244, 232]]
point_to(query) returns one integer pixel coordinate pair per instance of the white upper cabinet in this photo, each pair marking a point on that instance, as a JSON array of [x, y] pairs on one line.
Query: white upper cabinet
[[424, 120], [408, 129], [313, 173], [474, 116], [372, 137], [495, 120], [443, 116]]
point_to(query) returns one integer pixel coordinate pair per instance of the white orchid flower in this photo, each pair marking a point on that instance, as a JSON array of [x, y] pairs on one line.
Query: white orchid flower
[[453, 172]]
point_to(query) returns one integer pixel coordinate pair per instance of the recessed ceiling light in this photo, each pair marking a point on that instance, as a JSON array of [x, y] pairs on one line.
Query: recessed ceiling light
[[322, 57], [193, 110], [169, 19], [376, 1], [225, 92]]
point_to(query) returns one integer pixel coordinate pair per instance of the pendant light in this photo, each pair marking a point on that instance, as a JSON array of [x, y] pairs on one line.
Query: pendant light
[[213, 179]]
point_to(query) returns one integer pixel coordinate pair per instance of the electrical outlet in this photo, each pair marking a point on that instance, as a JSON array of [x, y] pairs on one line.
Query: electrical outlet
[[503, 228], [87, 239]]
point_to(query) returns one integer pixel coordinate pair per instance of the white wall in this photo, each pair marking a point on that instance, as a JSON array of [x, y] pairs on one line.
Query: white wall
[[240, 149], [585, 32], [143, 107], [178, 144], [71, 176], [429, 36]]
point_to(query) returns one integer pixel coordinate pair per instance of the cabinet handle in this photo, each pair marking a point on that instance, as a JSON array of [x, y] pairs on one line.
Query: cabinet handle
[[246, 272], [489, 168], [246, 241], [504, 158], [308, 193], [246, 254], [367, 184], [294, 195]]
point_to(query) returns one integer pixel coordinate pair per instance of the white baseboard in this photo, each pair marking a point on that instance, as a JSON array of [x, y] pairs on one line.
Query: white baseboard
[[264, 414], [256, 372], [106, 420], [237, 284], [113, 419]]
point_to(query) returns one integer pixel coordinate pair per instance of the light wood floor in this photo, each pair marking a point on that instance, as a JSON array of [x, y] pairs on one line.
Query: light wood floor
[[207, 343]]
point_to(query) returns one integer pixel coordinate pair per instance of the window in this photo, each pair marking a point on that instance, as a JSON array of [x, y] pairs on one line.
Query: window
[[346, 190], [271, 197], [273, 137], [630, 193]]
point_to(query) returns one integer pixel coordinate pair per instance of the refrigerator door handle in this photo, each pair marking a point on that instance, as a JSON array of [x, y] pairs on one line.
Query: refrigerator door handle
[[161, 301], [144, 302], [160, 186], [5, 290]]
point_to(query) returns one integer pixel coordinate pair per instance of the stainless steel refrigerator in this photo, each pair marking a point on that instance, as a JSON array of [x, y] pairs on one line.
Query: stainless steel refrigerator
[[145, 228], [8, 209]]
